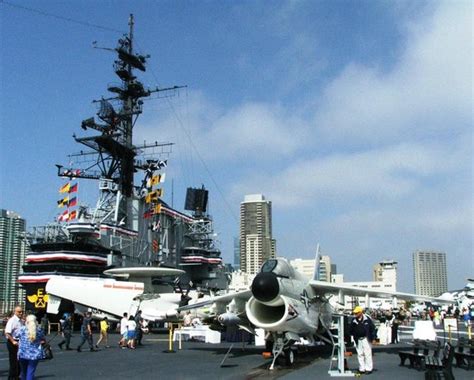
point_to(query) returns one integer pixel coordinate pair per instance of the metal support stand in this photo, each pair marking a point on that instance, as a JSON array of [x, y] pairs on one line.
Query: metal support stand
[[226, 355], [341, 350]]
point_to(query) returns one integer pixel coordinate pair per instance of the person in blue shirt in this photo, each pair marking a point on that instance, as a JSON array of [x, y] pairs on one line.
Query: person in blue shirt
[[466, 317], [30, 351]]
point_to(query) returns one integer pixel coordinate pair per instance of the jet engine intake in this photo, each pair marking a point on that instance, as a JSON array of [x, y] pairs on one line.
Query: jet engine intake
[[265, 316], [287, 314]]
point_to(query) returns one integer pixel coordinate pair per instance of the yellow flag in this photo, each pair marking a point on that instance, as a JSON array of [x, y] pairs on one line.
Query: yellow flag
[[153, 196], [65, 188], [157, 209], [63, 202]]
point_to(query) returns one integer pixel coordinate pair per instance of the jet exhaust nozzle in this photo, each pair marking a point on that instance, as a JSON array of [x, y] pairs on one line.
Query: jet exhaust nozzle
[[265, 287]]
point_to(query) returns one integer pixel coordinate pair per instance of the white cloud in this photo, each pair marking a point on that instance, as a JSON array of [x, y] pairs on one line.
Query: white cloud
[[385, 173], [429, 90], [254, 131], [382, 161]]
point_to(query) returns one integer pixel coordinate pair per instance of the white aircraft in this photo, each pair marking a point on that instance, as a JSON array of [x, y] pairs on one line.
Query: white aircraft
[[282, 302], [111, 297]]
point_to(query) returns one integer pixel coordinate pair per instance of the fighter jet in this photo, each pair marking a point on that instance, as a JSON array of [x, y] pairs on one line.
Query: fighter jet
[[288, 306]]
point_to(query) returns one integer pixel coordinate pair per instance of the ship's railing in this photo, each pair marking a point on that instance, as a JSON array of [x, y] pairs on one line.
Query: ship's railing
[[48, 233]]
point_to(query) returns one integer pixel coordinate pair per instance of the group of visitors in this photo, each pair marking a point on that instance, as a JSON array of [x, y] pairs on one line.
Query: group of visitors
[[24, 342], [132, 329], [25, 338]]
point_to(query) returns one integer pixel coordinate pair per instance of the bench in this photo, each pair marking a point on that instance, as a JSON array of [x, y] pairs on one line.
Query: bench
[[464, 353], [440, 368], [421, 349]]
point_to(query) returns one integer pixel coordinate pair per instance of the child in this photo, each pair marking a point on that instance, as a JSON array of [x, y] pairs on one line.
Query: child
[[104, 329], [131, 327]]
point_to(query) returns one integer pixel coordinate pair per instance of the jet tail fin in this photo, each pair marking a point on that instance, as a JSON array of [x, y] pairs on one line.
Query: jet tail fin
[[317, 264]]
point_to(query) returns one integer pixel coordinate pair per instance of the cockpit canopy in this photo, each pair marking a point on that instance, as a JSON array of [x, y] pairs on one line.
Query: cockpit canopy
[[280, 267]]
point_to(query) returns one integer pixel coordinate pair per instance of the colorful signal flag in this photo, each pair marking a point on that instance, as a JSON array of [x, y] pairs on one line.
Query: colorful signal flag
[[63, 202]]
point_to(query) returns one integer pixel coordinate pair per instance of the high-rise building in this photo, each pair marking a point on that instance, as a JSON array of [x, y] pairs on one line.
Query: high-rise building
[[430, 274], [12, 256], [236, 253], [307, 267], [386, 271], [325, 268], [256, 243], [304, 266]]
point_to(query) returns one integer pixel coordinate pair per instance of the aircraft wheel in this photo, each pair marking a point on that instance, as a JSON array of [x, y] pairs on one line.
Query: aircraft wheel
[[290, 357]]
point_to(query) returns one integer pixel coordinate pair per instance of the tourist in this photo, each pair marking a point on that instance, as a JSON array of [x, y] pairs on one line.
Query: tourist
[[131, 328], [12, 330], [187, 319], [123, 331], [466, 317], [104, 333], [138, 330], [30, 351], [394, 323]]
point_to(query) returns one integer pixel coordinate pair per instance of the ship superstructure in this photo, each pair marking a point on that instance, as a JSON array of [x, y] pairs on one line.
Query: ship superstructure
[[130, 224]]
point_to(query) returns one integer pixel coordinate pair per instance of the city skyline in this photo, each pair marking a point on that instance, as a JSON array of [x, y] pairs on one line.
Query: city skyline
[[353, 118]]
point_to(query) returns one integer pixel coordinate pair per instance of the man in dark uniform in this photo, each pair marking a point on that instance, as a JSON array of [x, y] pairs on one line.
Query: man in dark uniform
[[66, 329], [138, 329], [362, 330], [86, 332]]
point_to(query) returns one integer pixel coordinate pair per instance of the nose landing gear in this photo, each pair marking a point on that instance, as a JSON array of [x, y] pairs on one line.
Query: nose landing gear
[[283, 352]]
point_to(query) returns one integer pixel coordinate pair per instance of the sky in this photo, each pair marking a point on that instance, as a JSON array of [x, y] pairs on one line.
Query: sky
[[354, 118]]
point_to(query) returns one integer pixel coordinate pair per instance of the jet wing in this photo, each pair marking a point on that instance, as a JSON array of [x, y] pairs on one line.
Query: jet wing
[[144, 275], [224, 299], [141, 272], [322, 287], [107, 295]]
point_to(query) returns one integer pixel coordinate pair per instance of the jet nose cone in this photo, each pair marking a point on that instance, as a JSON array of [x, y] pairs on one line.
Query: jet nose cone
[[265, 287]]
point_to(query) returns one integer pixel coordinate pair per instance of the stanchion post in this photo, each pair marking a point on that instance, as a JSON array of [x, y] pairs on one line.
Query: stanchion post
[[170, 340]]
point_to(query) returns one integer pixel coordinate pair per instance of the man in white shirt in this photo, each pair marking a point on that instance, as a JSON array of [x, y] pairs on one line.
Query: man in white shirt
[[124, 331], [11, 331]]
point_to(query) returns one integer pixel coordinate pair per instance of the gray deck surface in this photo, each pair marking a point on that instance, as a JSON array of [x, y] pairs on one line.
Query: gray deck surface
[[198, 360]]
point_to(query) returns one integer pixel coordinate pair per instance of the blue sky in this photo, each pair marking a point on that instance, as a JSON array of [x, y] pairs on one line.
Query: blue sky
[[353, 117]]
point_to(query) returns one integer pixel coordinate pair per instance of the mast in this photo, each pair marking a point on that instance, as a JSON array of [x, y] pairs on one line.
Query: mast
[[113, 157]]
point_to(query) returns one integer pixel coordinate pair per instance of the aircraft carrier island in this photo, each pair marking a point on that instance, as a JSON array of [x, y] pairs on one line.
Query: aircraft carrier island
[[130, 225]]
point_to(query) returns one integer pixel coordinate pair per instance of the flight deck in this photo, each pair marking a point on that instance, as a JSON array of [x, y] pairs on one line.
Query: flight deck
[[199, 360]]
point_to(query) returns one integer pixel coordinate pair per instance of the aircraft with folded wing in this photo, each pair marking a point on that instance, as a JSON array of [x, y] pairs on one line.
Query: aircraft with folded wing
[[112, 297], [283, 303]]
